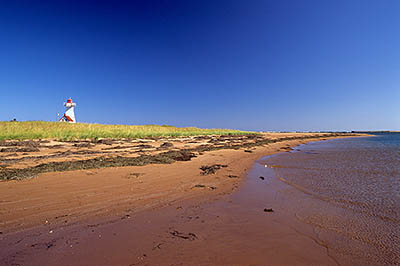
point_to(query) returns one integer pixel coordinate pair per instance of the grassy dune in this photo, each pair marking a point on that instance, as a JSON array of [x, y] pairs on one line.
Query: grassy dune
[[66, 131]]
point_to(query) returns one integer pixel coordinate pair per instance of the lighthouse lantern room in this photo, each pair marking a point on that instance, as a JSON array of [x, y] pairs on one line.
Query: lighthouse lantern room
[[69, 115]]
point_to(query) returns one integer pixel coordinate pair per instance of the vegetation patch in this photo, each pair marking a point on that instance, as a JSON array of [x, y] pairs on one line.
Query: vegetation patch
[[67, 131]]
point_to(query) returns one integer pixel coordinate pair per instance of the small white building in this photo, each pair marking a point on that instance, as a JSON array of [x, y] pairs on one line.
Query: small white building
[[69, 115]]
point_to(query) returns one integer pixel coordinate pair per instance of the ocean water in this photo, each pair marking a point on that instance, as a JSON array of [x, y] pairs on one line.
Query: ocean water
[[350, 195]]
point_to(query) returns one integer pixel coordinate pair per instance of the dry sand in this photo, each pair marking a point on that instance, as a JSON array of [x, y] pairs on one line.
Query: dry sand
[[155, 214]]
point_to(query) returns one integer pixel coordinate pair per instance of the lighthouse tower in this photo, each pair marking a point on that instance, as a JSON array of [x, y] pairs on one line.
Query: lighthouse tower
[[69, 115]]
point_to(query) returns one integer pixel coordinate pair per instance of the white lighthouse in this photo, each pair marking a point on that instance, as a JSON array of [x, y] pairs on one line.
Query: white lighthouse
[[69, 115]]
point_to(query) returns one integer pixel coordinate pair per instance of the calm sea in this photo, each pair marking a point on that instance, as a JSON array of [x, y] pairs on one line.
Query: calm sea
[[351, 195]]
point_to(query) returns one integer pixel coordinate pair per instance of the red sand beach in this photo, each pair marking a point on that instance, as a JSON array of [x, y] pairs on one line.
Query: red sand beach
[[157, 214]]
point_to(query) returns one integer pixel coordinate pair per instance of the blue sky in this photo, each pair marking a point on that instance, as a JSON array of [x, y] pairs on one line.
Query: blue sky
[[255, 65]]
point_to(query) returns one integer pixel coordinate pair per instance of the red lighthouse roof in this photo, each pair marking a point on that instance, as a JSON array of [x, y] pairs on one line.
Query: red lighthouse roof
[[69, 100]]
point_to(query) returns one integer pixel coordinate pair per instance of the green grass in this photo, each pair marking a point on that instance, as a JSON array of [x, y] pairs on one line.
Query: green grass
[[66, 131]]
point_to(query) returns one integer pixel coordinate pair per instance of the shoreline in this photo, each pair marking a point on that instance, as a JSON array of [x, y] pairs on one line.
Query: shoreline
[[95, 212], [332, 194], [99, 154]]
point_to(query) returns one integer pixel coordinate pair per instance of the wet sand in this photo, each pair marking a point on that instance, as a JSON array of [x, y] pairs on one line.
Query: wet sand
[[347, 190], [156, 214]]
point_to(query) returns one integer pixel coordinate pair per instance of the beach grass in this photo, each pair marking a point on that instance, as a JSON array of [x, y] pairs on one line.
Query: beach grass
[[68, 131]]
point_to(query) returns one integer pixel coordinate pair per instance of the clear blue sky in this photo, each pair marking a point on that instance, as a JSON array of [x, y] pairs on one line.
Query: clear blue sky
[[256, 65]]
